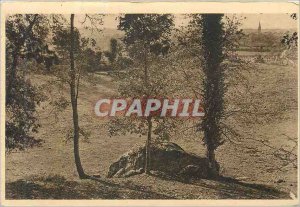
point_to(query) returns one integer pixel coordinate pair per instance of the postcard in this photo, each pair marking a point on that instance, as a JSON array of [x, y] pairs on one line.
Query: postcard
[[149, 104]]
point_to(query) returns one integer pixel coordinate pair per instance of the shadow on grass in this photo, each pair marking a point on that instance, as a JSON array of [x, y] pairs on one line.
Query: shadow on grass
[[230, 188], [57, 187]]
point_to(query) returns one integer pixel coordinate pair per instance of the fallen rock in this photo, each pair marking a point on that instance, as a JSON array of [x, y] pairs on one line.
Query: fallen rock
[[166, 158]]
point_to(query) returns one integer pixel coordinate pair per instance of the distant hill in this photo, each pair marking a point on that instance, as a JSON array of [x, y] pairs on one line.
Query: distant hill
[[103, 38]]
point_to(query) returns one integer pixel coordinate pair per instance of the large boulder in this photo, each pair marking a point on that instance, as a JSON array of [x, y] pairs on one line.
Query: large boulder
[[166, 157]]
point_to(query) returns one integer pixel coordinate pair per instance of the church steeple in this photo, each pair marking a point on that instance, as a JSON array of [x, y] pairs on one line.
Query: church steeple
[[259, 28]]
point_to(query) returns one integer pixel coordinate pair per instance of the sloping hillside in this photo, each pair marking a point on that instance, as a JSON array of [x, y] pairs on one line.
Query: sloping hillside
[[49, 171]]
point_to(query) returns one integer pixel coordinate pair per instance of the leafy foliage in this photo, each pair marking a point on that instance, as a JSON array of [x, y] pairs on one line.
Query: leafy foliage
[[147, 40], [21, 120], [86, 56], [291, 40], [152, 30], [114, 49], [25, 40], [212, 36]]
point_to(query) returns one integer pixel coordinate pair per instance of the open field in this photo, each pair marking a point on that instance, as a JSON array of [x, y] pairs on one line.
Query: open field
[[49, 171]]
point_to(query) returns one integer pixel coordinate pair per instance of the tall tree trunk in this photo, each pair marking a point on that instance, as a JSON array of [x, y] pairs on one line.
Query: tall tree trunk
[[149, 121], [74, 104], [11, 76], [212, 35], [148, 146]]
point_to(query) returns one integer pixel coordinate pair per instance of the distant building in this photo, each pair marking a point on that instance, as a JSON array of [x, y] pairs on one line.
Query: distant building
[[259, 28]]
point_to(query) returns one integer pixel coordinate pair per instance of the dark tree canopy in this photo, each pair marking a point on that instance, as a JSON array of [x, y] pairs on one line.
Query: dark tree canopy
[[25, 40], [62, 38], [291, 39], [113, 52], [152, 30], [212, 37]]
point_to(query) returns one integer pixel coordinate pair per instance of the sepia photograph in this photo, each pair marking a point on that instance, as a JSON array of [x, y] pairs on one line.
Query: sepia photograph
[[149, 105]]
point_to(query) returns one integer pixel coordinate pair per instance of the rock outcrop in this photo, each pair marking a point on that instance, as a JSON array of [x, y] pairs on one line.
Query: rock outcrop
[[166, 157]]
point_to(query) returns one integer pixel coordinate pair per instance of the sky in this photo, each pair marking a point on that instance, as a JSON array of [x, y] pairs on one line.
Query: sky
[[251, 21], [269, 21]]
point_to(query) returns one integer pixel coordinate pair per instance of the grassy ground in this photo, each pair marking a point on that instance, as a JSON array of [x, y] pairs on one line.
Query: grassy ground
[[138, 187], [49, 172]]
